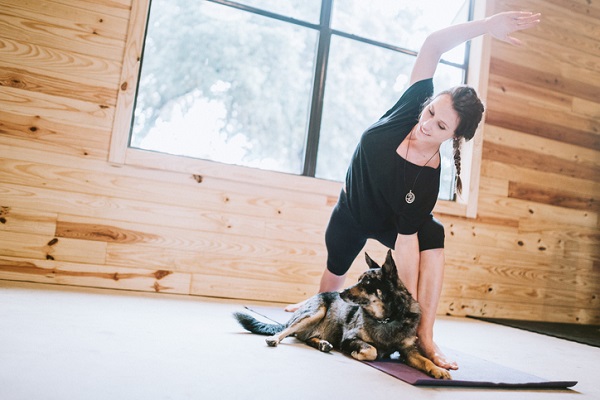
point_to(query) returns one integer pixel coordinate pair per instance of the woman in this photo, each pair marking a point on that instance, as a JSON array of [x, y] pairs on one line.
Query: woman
[[393, 180]]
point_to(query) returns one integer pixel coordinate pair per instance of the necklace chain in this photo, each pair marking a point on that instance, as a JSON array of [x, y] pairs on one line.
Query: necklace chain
[[410, 196]]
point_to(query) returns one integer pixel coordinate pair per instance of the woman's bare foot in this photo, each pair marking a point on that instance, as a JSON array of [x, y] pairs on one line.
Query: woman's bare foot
[[431, 350], [294, 307]]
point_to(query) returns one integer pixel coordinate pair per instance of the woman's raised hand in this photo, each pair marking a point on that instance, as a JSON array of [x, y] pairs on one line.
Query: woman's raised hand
[[503, 24]]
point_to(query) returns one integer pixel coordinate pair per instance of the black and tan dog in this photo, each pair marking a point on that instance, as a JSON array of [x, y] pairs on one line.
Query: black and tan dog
[[370, 320]]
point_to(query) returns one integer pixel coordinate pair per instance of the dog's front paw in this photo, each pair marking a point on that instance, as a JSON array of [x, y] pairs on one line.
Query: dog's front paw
[[325, 346], [440, 373], [365, 354], [271, 341]]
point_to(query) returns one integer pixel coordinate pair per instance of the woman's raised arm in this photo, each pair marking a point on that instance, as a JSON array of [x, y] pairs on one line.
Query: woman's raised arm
[[500, 26]]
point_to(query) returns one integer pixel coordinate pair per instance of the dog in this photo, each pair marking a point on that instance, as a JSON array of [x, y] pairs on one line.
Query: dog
[[373, 319]]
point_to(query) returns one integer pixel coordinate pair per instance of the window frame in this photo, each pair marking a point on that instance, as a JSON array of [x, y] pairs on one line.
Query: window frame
[[121, 154]]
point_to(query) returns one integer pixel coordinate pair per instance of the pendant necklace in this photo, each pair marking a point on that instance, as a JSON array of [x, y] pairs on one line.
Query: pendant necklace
[[410, 196]]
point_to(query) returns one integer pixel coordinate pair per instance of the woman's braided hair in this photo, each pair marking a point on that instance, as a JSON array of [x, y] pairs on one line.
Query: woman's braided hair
[[470, 111]]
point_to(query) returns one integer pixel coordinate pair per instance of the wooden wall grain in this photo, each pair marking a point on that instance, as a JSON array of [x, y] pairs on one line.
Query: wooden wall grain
[[68, 216]]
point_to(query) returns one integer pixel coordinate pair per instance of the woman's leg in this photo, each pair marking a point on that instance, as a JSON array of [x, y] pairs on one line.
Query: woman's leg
[[429, 288], [331, 282], [431, 277]]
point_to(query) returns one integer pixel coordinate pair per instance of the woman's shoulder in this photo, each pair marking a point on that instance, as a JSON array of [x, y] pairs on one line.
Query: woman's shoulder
[[413, 97], [419, 91], [423, 84]]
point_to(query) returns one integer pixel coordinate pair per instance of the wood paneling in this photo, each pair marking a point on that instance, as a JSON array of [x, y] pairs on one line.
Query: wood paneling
[[79, 208], [87, 274]]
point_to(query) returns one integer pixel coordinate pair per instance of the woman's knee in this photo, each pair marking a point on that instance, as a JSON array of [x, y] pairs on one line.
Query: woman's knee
[[343, 241]]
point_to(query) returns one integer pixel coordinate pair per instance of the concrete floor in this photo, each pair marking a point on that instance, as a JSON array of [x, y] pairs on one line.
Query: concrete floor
[[67, 343]]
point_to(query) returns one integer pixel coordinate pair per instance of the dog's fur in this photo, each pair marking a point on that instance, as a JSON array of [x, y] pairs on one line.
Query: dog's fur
[[370, 320]]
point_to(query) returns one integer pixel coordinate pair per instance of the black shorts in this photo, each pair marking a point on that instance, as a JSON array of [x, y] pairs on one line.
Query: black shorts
[[345, 238]]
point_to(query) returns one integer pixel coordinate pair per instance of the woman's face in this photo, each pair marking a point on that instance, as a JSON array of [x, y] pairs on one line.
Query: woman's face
[[438, 121]]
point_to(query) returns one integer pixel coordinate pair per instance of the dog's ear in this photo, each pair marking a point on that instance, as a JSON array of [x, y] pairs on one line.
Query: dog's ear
[[372, 264], [389, 267]]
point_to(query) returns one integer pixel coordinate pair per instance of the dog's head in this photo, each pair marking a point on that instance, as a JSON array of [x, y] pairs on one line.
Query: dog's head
[[379, 291]]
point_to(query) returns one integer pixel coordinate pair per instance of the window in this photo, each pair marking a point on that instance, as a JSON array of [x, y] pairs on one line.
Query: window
[[287, 86]]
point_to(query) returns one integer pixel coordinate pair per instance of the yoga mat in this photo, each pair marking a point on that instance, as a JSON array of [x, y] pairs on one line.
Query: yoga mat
[[473, 371]]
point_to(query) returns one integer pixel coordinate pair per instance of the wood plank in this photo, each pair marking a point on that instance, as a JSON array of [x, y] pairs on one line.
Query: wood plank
[[483, 267], [566, 231], [560, 198], [218, 264], [102, 233], [89, 275], [584, 9], [491, 265], [29, 80], [524, 311], [508, 154], [493, 186], [492, 206], [515, 114], [498, 170], [515, 86], [576, 250], [542, 129], [504, 221], [585, 108], [49, 138], [67, 16], [44, 247], [251, 289], [116, 8], [58, 109], [60, 37], [517, 294], [302, 232], [540, 72], [481, 235], [80, 67], [15, 219], [578, 155]]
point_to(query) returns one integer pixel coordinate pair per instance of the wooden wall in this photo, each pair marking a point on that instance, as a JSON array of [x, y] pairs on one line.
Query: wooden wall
[[68, 216]]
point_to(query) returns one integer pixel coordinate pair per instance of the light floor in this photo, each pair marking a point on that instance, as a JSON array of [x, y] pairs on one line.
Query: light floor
[[66, 343]]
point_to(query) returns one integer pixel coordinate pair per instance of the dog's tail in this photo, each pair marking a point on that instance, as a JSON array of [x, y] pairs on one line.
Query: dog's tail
[[253, 325]]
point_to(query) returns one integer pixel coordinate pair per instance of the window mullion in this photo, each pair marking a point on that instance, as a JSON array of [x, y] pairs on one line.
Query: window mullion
[[316, 106]]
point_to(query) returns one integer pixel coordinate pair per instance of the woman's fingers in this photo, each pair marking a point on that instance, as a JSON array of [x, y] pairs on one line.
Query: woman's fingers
[[504, 24], [527, 21]]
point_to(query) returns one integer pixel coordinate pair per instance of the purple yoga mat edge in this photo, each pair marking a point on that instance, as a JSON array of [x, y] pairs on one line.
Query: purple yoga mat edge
[[499, 385], [417, 378]]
